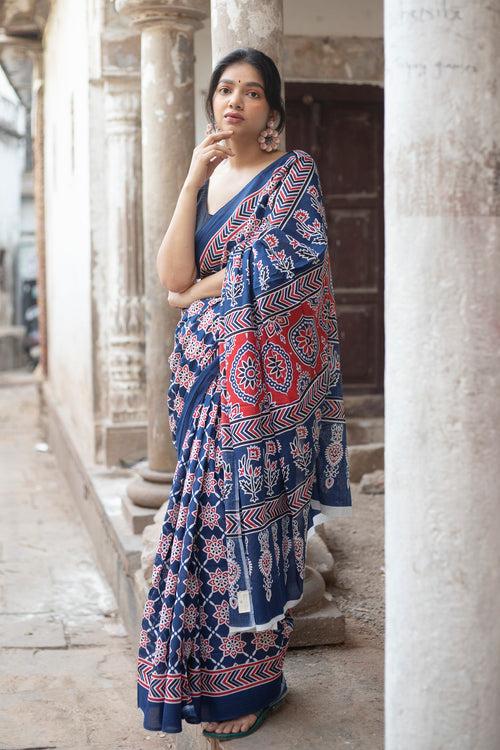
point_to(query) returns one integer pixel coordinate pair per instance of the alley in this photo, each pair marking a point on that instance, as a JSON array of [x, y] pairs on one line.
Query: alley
[[67, 672]]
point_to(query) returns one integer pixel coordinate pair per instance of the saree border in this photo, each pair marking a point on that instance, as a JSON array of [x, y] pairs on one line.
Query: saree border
[[238, 214]]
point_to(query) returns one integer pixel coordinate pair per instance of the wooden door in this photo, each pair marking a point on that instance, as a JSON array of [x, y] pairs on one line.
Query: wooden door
[[341, 126]]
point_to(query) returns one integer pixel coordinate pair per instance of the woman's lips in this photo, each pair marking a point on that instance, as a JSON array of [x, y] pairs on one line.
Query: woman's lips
[[233, 118]]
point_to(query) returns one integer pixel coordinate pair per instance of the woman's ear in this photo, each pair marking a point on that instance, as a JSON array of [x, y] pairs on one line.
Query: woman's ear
[[275, 115]]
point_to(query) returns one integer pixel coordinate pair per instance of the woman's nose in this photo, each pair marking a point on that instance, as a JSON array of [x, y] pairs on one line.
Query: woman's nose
[[235, 100]]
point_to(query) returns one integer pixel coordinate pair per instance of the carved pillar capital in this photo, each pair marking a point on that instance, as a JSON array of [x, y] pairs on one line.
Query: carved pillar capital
[[147, 13], [122, 102]]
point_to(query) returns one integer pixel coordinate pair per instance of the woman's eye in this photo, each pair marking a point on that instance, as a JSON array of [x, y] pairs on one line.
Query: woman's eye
[[223, 90]]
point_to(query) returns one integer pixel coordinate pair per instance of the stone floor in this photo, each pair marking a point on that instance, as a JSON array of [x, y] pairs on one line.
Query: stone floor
[[67, 672], [336, 693], [67, 669]]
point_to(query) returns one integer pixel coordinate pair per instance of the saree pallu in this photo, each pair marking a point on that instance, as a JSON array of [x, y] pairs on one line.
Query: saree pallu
[[256, 414]]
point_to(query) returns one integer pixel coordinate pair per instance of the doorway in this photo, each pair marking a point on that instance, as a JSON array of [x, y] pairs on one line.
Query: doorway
[[341, 126]]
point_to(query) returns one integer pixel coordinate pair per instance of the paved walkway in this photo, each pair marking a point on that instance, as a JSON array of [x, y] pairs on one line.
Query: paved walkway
[[67, 670]]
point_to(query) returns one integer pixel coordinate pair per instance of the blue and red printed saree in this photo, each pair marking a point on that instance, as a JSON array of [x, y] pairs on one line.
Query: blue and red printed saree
[[256, 412]]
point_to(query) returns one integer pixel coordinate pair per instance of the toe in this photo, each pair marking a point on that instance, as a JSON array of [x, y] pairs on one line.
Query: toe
[[249, 720]]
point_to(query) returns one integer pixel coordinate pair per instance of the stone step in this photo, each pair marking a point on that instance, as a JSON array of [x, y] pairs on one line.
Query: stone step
[[366, 405], [362, 430], [137, 518], [323, 627], [364, 459]]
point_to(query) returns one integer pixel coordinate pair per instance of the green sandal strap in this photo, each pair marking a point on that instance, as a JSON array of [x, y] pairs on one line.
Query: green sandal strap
[[261, 715]]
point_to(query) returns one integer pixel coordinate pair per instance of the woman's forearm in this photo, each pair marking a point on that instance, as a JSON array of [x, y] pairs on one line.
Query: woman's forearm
[[175, 261], [209, 286]]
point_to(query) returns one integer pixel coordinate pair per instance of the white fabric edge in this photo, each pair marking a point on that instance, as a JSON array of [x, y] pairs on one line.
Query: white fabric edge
[[326, 512], [338, 511], [265, 625], [329, 511]]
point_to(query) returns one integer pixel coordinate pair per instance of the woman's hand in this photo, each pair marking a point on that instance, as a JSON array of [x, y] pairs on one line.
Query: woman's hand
[[209, 286], [206, 156], [181, 299]]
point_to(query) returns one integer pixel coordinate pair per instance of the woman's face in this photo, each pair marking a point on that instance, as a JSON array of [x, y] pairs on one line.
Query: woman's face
[[241, 90]]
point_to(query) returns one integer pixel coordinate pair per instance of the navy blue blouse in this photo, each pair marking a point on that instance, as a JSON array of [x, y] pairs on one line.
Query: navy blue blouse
[[202, 214]]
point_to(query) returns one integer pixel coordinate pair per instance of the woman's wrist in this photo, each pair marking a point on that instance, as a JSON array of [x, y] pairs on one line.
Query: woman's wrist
[[189, 188], [209, 286], [191, 295]]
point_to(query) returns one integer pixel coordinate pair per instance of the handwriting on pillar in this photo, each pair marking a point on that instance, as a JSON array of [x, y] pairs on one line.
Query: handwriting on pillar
[[437, 69], [441, 10]]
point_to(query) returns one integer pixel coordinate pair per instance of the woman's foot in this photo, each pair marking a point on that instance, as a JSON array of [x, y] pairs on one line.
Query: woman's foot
[[241, 724]]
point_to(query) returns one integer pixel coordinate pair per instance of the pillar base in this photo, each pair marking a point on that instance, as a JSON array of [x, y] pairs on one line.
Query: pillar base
[[151, 488]]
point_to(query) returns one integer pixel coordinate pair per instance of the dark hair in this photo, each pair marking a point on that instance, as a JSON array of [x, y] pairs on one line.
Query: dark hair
[[270, 76]]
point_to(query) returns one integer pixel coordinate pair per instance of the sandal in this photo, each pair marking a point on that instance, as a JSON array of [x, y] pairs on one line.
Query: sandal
[[261, 716]]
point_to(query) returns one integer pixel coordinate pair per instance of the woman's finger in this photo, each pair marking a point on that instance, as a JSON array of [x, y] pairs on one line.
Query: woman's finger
[[216, 149], [220, 135]]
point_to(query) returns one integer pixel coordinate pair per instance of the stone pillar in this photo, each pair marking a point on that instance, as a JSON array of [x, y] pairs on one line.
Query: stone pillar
[[258, 25], [125, 272], [167, 106], [442, 320]]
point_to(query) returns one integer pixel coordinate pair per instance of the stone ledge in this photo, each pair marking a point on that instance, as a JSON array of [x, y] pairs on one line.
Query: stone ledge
[[17, 377], [12, 354], [98, 494], [124, 441]]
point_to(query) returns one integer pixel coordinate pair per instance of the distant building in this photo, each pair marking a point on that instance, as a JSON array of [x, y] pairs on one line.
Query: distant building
[[17, 249]]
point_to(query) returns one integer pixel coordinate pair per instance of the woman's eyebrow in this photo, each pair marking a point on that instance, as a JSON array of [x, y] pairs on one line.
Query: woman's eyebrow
[[248, 83]]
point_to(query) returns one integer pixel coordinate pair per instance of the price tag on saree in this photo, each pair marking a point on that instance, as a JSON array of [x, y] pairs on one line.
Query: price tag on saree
[[243, 601]]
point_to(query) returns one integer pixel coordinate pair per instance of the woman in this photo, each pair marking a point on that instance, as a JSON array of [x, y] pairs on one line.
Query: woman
[[256, 413]]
